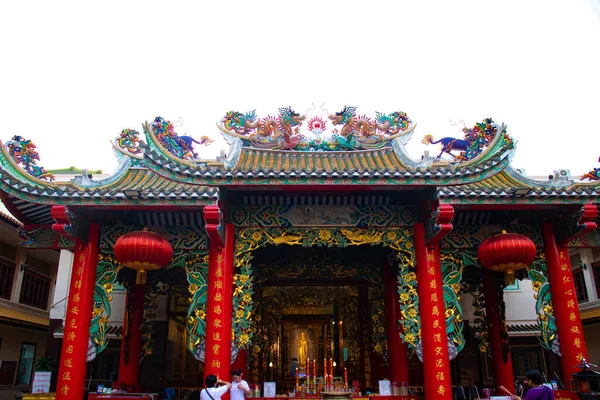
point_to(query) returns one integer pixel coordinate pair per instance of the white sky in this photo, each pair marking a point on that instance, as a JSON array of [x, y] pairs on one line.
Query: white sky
[[73, 74]]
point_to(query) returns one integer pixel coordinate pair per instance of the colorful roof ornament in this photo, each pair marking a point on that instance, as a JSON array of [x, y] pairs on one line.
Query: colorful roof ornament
[[286, 131], [593, 175], [129, 141], [474, 142], [23, 152], [179, 146]]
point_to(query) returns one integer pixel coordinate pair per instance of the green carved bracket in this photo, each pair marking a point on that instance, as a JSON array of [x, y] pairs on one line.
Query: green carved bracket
[[106, 276], [538, 273]]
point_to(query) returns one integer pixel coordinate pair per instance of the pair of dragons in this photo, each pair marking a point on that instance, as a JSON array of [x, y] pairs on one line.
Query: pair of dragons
[[283, 131]]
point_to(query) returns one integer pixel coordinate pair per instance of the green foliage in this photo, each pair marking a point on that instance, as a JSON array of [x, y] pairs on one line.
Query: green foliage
[[44, 364]]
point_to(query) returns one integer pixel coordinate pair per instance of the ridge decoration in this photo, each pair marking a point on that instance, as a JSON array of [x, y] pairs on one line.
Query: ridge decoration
[[284, 132], [475, 140], [179, 146], [23, 152], [593, 175], [129, 141]]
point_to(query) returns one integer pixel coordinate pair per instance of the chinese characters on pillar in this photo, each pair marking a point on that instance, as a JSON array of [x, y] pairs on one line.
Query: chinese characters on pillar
[[574, 337], [71, 333], [438, 326], [217, 282]]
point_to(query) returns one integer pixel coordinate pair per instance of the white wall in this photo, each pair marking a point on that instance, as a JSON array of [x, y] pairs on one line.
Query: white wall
[[520, 305], [61, 290]]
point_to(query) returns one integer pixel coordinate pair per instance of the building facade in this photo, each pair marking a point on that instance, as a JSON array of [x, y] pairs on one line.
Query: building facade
[[27, 280], [317, 236]]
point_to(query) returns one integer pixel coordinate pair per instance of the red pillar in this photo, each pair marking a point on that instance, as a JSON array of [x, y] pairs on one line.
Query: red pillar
[[436, 365], [131, 353], [219, 306], [503, 371], [564, 301], [397, 358], [241, 362], [73, 356]]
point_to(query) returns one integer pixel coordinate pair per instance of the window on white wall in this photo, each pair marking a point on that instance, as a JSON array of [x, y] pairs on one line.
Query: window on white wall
[[26, 363], [580, 289]]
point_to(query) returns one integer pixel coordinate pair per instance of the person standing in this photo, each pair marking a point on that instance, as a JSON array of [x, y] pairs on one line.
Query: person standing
[[239, 388], [537, 391], [215, 388]]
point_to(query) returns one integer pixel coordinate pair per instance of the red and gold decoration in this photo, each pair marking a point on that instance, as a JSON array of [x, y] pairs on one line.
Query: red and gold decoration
[[219, 334], [73, 364], [436, 364], [564, 302], [507, 252], [143, 251]]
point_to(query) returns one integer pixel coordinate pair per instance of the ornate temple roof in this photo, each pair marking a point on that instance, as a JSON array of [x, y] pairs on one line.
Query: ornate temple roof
[[273, 152], [511, 187]]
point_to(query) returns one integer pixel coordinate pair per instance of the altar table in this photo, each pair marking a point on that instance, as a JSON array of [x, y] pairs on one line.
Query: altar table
[[124, 396], [373, 397]]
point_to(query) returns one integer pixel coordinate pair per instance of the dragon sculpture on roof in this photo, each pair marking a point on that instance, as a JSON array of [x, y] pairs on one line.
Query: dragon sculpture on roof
[[269, 132], [285, 132], [23, 152]]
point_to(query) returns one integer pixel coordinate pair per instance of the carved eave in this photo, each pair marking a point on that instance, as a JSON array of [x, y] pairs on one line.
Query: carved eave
[[281, 167], [32, 204], [511, 187]]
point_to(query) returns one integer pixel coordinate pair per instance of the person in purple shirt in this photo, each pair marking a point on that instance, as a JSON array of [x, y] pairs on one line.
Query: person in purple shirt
[[537, 391]]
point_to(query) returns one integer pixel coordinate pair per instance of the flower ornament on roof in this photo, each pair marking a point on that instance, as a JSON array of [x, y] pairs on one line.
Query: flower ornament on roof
[[475, 140], [593, 175], [180, 146], [24, 154], [286, 131]]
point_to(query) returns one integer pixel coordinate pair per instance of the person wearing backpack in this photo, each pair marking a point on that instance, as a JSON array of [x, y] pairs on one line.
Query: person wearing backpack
[[536, 391], [215, 388]]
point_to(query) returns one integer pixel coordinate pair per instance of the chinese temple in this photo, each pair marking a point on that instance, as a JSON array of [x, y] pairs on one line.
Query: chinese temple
[[317, 253]]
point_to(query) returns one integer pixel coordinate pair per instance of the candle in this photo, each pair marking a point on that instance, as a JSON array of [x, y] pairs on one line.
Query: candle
[[297, 380], [324, 368], [315, 374], [345, 379], [307, 368], [331, 368]]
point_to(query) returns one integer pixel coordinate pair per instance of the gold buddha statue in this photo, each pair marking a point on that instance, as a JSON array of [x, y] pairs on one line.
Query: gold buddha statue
[[302, 351]]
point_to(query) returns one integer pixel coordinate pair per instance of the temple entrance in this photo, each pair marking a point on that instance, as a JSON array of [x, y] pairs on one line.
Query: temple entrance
[[319, 308]]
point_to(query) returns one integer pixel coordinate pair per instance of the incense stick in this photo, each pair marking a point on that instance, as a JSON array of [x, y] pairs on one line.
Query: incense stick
[[505, 389]]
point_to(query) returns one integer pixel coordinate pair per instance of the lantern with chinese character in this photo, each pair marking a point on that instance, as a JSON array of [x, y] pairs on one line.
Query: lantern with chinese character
[[507, 252], [143, 251]]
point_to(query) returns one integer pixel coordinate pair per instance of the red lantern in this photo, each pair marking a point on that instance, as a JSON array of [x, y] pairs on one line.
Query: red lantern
[[143, 251], [507, 252]]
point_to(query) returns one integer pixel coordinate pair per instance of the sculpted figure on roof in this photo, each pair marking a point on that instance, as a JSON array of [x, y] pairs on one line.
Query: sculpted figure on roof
[[23, 152], [475, 140], [179, 146], [593, 175], [286, 132]]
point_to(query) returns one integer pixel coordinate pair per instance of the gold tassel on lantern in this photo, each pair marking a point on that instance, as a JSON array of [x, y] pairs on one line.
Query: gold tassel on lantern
[[140, 277]]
